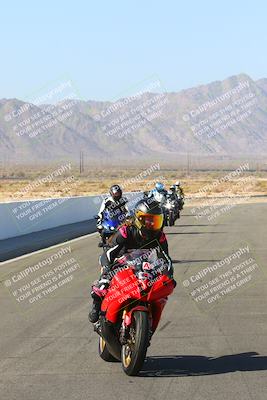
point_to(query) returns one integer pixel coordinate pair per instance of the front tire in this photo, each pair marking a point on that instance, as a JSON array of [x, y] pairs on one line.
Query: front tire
[[103, 351], [171, 219], [133, 353]]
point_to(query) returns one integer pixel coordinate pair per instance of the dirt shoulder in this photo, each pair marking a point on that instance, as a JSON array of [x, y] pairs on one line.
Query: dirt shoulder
[[197, 185]]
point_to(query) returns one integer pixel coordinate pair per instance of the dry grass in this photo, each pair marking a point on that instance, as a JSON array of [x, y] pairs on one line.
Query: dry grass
[[98, 182]]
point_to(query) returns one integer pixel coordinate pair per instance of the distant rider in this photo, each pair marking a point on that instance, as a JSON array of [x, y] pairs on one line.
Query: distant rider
[[159, 193], [172, 194], [180, 193], [179, 189], [115, 204]]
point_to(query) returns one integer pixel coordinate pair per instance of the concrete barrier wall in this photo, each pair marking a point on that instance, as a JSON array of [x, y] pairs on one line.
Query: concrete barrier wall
[[20, 218]]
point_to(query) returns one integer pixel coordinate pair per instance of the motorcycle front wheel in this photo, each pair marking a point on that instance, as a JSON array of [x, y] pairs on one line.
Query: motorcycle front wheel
[[171, 219], [133, 353]]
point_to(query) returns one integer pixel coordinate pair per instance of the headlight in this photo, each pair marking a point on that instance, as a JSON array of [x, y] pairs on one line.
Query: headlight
[[168, 205]]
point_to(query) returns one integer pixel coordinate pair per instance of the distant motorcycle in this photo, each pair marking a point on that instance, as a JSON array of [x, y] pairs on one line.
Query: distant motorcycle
[[180, 201], [109, 226], [132, 307], [171, 211], [161, 198]]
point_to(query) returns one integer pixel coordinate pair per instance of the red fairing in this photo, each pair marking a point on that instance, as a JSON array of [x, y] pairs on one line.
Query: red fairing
[[156, 309], [128, 316], [125, 288], [163, 287]]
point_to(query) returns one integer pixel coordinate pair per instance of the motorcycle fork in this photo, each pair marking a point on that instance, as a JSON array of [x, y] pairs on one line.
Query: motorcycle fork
[[124, 332], [125, 327]]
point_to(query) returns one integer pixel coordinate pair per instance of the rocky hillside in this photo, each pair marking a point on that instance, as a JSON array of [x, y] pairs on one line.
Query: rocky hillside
[[226, 118]]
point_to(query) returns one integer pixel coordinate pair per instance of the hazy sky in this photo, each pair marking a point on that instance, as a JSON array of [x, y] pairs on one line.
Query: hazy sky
[[105, 47]]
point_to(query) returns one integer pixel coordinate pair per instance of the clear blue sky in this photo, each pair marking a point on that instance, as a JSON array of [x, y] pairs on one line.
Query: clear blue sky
[[107, 46]]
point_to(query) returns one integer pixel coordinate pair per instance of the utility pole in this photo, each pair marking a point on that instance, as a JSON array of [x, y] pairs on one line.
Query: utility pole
[[4, 165], [81, 162], [188, 164]]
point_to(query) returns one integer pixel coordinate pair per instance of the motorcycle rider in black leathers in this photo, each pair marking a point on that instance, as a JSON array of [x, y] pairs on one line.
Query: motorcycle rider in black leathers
[[172, 194], [145, 230]]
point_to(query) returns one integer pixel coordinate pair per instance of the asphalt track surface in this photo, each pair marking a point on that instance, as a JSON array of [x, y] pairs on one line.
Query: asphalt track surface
[[48, 350]]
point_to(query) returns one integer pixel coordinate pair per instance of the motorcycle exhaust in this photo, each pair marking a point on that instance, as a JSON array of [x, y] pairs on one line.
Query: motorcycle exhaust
[[109, 335]]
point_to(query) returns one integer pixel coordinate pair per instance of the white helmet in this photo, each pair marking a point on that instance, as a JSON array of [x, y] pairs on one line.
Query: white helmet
[[178, 183]]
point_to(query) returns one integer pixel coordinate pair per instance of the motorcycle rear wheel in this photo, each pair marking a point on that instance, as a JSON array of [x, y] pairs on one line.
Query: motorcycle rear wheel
[[133, 354], [103, 351]]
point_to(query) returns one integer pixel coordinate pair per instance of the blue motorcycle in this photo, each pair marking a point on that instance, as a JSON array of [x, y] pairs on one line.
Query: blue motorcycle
[[109, 226]]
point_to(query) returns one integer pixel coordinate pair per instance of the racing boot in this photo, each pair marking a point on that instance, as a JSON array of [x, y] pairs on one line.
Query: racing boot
[[99, 290], [95, 310]]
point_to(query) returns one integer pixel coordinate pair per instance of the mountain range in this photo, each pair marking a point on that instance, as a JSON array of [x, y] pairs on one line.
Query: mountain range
[[221, 119]]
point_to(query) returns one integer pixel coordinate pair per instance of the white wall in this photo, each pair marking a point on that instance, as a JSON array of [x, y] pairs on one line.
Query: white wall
[[20, 218]]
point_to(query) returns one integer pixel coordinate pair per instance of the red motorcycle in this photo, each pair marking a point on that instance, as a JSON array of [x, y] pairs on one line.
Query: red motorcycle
[[132, 307]]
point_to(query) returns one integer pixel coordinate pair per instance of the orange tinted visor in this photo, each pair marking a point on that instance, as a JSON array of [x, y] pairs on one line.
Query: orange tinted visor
[[150, 221]]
